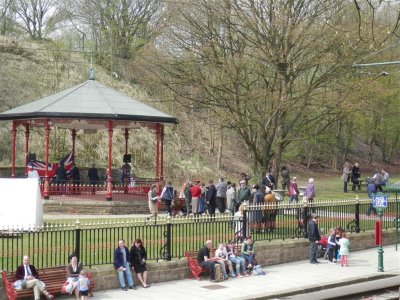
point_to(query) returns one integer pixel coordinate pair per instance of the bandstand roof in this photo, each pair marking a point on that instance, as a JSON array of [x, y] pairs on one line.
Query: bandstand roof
[[84, 105]]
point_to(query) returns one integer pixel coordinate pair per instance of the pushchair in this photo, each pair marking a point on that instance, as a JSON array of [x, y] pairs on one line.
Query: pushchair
[[322, 250]]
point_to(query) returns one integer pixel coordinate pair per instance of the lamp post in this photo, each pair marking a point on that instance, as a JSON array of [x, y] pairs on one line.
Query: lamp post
[[380, 201]]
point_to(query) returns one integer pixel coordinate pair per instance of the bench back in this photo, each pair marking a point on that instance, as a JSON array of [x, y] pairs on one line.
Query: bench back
[[48, 275]]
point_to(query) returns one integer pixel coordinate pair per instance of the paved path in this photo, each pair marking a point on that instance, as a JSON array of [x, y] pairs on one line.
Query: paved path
[[295, 278]]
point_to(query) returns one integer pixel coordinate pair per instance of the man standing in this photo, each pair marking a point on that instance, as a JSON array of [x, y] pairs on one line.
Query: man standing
[[121, 265], [204, 259], [269, 180], [221, 195], [313, 237], [211, 197], [93, 175], [26, 276], [188, 196], [244, 193]]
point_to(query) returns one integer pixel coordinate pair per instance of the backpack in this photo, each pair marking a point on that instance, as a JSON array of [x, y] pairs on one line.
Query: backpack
[[257, 270], [219, 275]]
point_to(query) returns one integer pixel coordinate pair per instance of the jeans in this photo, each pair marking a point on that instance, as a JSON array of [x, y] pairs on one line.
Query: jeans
[[371, 209], [295, 197], [330, 253], [248, 257], [128, 274], [168, 206], [240, 264], [210, 266], [313, 251]]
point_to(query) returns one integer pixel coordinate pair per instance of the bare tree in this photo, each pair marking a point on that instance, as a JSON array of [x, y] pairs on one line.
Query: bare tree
[[37, 17]]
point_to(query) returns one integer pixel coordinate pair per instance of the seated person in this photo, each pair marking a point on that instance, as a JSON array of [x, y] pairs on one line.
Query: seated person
[[247, 251], [27, 277], [73, 270], [378, 181], [222, 258], [206, 261], [239, 261]]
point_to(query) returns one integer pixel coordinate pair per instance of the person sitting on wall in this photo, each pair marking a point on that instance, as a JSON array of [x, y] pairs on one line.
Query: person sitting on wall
[[26, 277]]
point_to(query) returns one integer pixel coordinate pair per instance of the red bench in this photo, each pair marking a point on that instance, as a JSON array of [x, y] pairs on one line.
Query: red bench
[[54, 278]]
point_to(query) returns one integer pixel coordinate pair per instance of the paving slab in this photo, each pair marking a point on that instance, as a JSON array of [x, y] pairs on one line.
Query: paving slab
[[280, 281]]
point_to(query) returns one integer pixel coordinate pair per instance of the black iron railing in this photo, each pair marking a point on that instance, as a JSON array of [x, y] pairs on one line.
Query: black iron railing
[[168, 238]]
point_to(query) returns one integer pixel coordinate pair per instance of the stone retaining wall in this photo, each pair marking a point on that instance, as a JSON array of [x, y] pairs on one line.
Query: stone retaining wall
[[267, 253], [67, 206]]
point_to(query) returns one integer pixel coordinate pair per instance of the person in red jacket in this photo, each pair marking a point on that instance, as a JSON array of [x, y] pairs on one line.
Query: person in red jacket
[[27, 277], [195, 190]]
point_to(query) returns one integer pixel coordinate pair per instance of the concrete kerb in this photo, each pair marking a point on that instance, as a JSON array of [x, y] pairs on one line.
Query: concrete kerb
[[315, 288]]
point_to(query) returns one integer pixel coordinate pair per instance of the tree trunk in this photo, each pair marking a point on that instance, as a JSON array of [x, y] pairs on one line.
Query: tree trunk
[[221, 141]]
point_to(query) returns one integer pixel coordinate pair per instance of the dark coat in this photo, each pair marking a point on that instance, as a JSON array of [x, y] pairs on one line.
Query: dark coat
[[93, 175], [211, 194], [119, 258], [20, 272], [313, 231]]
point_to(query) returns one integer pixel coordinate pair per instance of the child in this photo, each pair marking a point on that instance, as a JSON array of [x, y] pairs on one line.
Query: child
[[222, 255], [331, 244], [83, 285], [338, 235], [344, 250]]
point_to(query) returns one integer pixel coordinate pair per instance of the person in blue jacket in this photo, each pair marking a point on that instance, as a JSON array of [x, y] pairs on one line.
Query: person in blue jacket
[[121, 265]]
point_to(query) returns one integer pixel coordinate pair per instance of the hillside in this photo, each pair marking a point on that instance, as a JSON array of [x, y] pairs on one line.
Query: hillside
[[28, 72], [33, 70]]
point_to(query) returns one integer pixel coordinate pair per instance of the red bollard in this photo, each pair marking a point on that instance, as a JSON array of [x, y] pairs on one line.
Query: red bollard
[[378, 233]]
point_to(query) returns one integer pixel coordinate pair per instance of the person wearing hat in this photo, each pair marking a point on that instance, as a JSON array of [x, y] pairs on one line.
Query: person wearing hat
[[244, 193], [314, 237]]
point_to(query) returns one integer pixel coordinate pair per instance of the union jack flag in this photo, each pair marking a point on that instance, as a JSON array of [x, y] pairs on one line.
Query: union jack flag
[[40, 166]]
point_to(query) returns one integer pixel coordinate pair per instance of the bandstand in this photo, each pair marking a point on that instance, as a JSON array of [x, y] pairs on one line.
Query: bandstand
[[89, 106]]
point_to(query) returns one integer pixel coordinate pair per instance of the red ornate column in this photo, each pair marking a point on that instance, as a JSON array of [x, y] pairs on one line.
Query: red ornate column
[[73, 144], [109, 169], [158, 137], [46, 191], [13, 140], [126, 181], [26, 148], [162, 153]]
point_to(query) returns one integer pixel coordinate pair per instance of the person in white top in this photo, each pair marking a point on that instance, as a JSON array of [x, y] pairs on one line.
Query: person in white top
[[222, 255], [32, 173]]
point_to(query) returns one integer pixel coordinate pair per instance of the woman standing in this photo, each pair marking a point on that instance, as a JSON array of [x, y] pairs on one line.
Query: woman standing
[[138, 258], [73, 269]]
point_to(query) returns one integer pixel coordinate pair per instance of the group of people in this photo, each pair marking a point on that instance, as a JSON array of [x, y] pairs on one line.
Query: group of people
[[135, 258], [337, 243], [353, 174], [225, 256]]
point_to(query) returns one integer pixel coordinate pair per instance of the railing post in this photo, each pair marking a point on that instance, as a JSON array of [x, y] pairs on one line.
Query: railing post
[[245, 221], [77, 240], [357, 215], [168, 240], [305, 219]]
